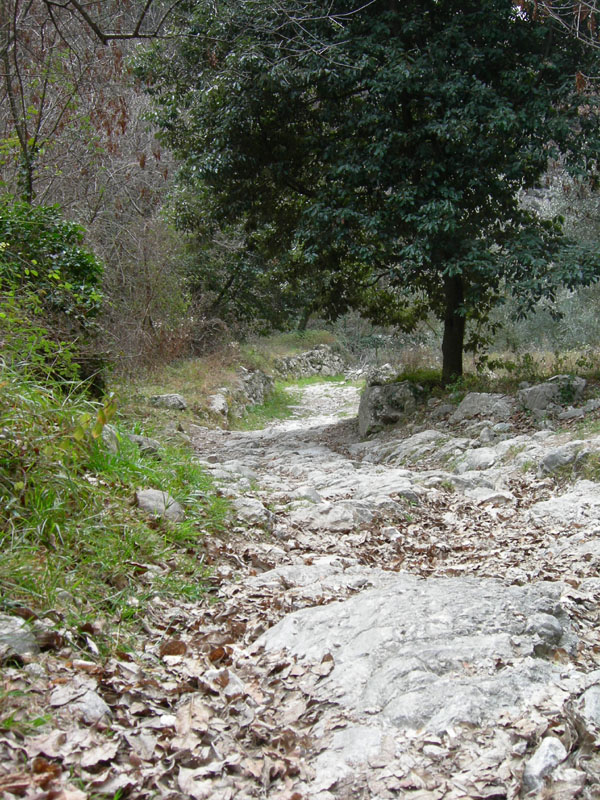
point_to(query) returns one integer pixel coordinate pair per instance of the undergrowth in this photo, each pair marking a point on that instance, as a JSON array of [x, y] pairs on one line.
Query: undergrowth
[[70, 533]]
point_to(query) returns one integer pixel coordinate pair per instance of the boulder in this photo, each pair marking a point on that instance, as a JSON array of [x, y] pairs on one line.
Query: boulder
[[174, 401], [161, 504], [493, 407], [561, 390], [429, 654], [385, 405]]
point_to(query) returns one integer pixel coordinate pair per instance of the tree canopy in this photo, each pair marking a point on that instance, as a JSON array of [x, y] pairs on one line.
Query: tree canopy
[[377, 154]]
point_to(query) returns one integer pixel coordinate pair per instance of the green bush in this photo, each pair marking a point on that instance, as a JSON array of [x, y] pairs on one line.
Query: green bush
[[49, 290]]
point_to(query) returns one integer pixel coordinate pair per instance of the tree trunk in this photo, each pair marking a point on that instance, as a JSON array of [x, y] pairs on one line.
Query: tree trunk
[[454, 330], [303, 321]]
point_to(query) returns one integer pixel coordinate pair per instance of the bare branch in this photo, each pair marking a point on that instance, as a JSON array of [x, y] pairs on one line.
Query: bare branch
[[580, 18]]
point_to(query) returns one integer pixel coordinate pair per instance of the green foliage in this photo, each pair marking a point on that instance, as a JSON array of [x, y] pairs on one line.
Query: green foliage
[[428, 379], [375, 159], [49, 289], [66, 518]]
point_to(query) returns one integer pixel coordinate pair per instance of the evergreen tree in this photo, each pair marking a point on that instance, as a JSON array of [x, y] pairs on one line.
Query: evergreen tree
[[378, 154]]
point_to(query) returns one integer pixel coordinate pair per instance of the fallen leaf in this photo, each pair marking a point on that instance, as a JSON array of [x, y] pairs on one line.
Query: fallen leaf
[[173, 647], [103, 752]]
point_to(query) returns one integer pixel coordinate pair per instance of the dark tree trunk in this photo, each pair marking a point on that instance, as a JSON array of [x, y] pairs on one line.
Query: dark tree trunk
[[303, 321], [454, 330]]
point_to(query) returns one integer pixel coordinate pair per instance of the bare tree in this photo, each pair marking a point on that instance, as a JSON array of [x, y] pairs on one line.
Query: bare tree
[[579, 17]]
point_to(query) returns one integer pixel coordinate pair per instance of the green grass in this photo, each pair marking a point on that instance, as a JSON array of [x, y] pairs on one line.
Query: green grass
[[277, 406], [70, 534]]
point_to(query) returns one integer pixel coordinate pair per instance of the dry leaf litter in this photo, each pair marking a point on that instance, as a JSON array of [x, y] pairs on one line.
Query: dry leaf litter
[[402, 617]]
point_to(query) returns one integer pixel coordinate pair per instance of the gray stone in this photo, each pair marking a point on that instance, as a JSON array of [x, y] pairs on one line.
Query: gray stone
[[385, 405], [442, 411], [110, 438], [146, 445], [217, 403], [174, 401], [341, 516], [253, 512], [571, 413], [319, 361], [590, 701], [159, 503], [490, 497], [255, 385], [555, 460], [546, 626], [16, 638], [559, 390], [580, 505], [421, 653], [479, 459], [550, 753], [497, 407], [377, 376]]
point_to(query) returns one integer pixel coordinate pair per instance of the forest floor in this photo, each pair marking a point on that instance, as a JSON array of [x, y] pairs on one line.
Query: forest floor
[[262, 689]]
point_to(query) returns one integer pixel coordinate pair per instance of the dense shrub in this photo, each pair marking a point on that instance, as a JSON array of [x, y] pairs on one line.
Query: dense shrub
[[49, 290]]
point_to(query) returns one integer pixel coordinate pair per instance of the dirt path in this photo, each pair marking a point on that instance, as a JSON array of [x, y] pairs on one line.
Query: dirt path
[[348, 520], [411, 616]]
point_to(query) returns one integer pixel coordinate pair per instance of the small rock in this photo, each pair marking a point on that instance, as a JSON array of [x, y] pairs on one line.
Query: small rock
[[253, 512], [591, 706], [91, 707], [146, 445], [16, 638], [490, 497], [480, 458], [572, 413], [546, 626], [217, 403], [110, 438], [550, 753], [159, 503], [174, 401]]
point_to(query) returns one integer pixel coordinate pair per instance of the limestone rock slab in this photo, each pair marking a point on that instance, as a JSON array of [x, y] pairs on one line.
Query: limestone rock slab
[[431, 653], [496, 407]]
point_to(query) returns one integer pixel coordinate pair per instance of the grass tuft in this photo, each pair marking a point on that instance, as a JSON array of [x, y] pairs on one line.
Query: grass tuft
[[278, 405]]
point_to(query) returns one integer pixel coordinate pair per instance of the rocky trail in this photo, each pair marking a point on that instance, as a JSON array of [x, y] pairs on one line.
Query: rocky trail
[[413, 615]]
